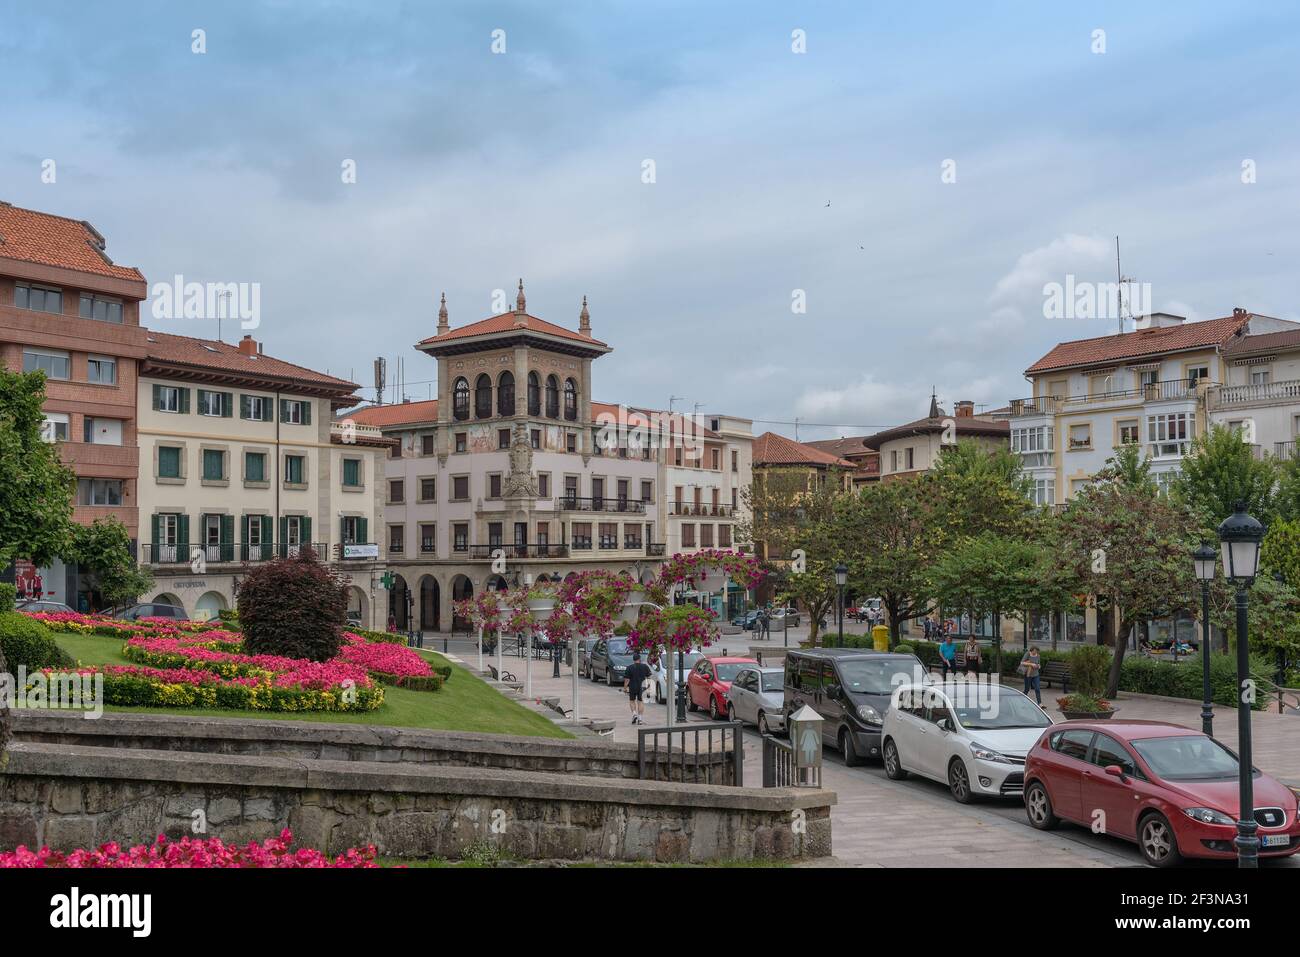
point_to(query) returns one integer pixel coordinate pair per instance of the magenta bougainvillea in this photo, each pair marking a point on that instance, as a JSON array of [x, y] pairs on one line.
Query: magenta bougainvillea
[[189, 852], [483, 611], [744, 570], [594, 599], [678, 628]]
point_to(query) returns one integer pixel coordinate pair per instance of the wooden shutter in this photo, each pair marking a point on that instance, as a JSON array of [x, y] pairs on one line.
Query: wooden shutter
[[268, 409], [227, 529], [284, 528], [304, 529], [227, 405], [185, 400], [306, 413], [284, 411], [183, 530], [154, 533], [245, 407], [157, 397], [363, 535], [266, 529]]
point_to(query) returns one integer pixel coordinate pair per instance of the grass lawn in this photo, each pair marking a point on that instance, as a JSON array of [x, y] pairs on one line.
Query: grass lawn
[[465, 703]]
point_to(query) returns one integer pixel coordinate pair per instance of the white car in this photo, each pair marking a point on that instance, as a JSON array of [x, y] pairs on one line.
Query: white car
[[757, 696], [970, 735], [658, 680]]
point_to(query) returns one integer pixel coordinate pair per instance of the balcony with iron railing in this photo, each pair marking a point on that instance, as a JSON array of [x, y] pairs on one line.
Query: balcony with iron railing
[[513, 550], [226, 552], [1285, 450], [1255, 393], [1166, 390], [599, 503], [701, 510]]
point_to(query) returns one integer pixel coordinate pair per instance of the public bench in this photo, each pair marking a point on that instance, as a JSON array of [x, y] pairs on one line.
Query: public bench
[[1056, 671]]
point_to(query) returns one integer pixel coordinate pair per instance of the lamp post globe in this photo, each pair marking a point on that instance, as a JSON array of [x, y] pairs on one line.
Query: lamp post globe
[[1239, 539]]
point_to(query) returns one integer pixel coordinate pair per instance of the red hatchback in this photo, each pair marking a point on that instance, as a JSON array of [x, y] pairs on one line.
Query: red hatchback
[[1171, 790], [707, 684]]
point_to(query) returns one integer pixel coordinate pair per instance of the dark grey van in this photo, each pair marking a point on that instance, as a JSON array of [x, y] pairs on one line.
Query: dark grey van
[[851, 689]]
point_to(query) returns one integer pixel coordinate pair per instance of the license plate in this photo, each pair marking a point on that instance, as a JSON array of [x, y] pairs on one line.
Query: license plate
[[1276, 840]]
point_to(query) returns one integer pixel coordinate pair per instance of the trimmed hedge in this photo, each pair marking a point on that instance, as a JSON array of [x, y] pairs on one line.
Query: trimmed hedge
[[381, 637], [125, 689], [8, 597], [26, 642], [433, 682]]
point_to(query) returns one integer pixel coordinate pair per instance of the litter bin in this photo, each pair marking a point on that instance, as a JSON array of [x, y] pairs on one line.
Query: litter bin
[[880, 637]]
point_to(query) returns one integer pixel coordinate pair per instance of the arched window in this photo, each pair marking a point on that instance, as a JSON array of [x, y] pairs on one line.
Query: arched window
[[460, 400], [534, 394], [570, 400], [506, 394], [483, 397], [552, 397]]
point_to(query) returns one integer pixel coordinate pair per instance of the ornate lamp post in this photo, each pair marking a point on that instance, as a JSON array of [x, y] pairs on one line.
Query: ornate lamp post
[[1239, 538], [841, 577], [1205, 559]]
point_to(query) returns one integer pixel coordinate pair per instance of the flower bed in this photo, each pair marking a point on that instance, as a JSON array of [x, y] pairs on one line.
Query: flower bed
[[189, 852], [76, 623]]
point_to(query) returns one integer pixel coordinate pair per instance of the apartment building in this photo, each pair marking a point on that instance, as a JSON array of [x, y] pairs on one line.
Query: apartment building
[[241, 461], [513, 472], [1149, 387], [67, 309], [1260, 392], [915, 447], [704, 478], [853, 449]]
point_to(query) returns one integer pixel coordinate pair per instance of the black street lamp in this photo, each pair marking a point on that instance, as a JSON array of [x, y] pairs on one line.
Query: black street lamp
[[1240, 536], [1204, 558], [841, 577]]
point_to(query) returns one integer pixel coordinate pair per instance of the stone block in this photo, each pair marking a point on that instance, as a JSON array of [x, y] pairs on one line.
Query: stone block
[[70, 833], [65, 797], [18, 825], [260, 809], [311, 826], [672, 847], [224, 810]]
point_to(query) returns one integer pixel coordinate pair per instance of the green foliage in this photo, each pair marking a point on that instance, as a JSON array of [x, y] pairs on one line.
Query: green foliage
[[229, 618], [1272, 618], [1129, 469], [1221, 470], [903, 648], [980, 490], [1280, 552], [8, 596], [6, 720], [26, 642], [37, 489], [1089, 667], [103, 548], [384, 637], [1143, 675], [293, 607], [1286, 499]]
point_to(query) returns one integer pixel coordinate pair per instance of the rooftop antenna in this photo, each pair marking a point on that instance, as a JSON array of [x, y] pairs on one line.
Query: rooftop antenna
[[796, 428], [1120, 282], [673, 399], [224, 297], [381, 367]]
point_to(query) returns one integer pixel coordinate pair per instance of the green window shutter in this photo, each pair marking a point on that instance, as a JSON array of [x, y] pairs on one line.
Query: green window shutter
[[157, 396], [153, 531], [268, 410], [284, 528], [183, 530], [227, 529], [363, 535], [266, 529], [227, 405], [199, 398], [284, 411], [245, 407], [304, 525], [185, 400], [306, 413], [244, 526]]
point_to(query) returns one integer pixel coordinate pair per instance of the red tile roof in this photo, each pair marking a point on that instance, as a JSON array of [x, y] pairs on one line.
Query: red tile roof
[[50, 240], [845, 446], [505, 322], [402, 413], [1140, 344], [225, 357], [1264, 342], [773, 449], [962, 425]]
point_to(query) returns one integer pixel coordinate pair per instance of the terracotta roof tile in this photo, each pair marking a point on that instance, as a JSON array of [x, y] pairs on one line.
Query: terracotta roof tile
[[773, 449], [1264, 342], [224, 357], [1139, 344], [964, 425], [505, 322], [402, 413], [50, 240], [847, 445]]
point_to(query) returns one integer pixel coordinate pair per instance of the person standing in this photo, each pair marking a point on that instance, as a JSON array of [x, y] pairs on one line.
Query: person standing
[[948, 655], [973, 656], [634, 680], [1030, 666]]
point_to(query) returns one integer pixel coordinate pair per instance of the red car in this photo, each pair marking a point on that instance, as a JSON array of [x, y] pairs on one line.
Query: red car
[[1171, 790], [707, 684]]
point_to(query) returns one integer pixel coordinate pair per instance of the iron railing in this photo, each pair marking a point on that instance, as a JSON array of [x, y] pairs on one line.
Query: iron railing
[[778, 763], [599, 503], [525, 550], [704, 509], [697, 764], [184, 553]]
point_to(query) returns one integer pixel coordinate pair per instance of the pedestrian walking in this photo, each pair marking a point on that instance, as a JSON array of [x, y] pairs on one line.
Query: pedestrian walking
[[764, 624], [948, 655], [634, 680], [1030, 666], [973, 656]]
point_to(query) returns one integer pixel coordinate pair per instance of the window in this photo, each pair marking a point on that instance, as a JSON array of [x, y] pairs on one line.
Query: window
[[460, 401], [544, 484], [622, 494], [608, 532], [426, 538], [1259, 377], [1107, 751], [169, 462], [733, 498], [1171, 433], [38, 298], [100, 308], [101, 369], [494, 485], [582, 535], [908, 459], [647, 490], [214, 403], [295, 468], [1072, 744], [688, 535], [893, 460], [571, 490], [354, 530], [534, 394], [1043, 491], [459, 488], [1196, 374], [552, 397], [483, 397], [503, 438], [426, 444], [597, 493], [506, 394], [460, 537], [295, 411], [571, 442], [1129, 432], [706, 536], [724, 536], [55, 428], [397, 491], [735, 461], [255, 407], [570, 400], [460, 442], [1038, 439], [99, 491], [677, 455], [396, 539], [494, 534], [254, 466], [428, 490], [1081, 436], [55, 365], [169, 398], [535, 438], [1148, 378], [717, 460], [352, 473], [214, 465], [96, 431]]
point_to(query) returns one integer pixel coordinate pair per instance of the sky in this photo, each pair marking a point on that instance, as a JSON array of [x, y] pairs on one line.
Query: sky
[[826, 235]]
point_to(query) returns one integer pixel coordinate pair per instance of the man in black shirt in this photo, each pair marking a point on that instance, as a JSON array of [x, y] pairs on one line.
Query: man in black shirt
[[634, 681]]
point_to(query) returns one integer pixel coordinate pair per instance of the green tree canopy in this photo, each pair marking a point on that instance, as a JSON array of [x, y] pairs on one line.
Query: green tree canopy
[[1221, 470], [103, 548], [36, 489]]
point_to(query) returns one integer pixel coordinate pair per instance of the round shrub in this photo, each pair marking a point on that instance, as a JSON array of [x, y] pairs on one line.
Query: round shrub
[[1090, 669], [28, 643], [8, 596], [903, 648], [293, 607]]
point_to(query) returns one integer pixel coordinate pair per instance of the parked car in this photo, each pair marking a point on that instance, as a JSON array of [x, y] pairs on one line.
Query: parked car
[[851, 690], [747, 621], [659, 674], [609, 659], [585, 645], [1171, 790], [757, 696], [972, 736], [706, 687], [44, 605], [152, 610], [777, 617]]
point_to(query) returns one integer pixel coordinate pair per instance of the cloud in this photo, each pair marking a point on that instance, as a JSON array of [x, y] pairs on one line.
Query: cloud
[[1070, 253]]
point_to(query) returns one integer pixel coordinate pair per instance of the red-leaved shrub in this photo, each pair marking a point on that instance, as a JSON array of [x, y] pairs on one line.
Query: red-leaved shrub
[[293, 607]]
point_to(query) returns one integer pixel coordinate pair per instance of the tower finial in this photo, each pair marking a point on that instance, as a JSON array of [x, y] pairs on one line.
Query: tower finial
[[520, 305], [584, 319], [443, 324], [935, 413]]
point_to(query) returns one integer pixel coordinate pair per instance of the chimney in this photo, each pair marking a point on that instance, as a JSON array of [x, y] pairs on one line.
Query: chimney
[[1239, 313], [443, 326], [965, 409], [584, 319], [248, 346], [1159, 320]]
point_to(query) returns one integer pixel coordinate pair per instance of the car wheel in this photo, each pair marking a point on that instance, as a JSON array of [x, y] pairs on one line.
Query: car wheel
[[851, 759], [731, 711], [1038, 805], [690, 702], [959, 782], [763, 729], [893, 766], [1157, 841], [713, 709], [609, 677]]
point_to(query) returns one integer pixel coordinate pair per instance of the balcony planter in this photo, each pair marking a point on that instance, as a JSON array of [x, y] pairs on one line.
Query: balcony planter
[[541, 608], [632, 606], [710, 581]]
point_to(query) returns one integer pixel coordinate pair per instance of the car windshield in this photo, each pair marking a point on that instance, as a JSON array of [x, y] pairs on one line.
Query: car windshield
[[773, 680], [727, 670], [1187, 757], [689, 660], [617, 646], [989, 709], [876, 676]]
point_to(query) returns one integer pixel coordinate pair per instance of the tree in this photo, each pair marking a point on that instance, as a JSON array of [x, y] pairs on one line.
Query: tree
[[1280, 552], [1286, 499], [980, 490], [103, 549], [1221, 470], [36, 489], [1272, 621], [1128, 468], [293, 607]]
